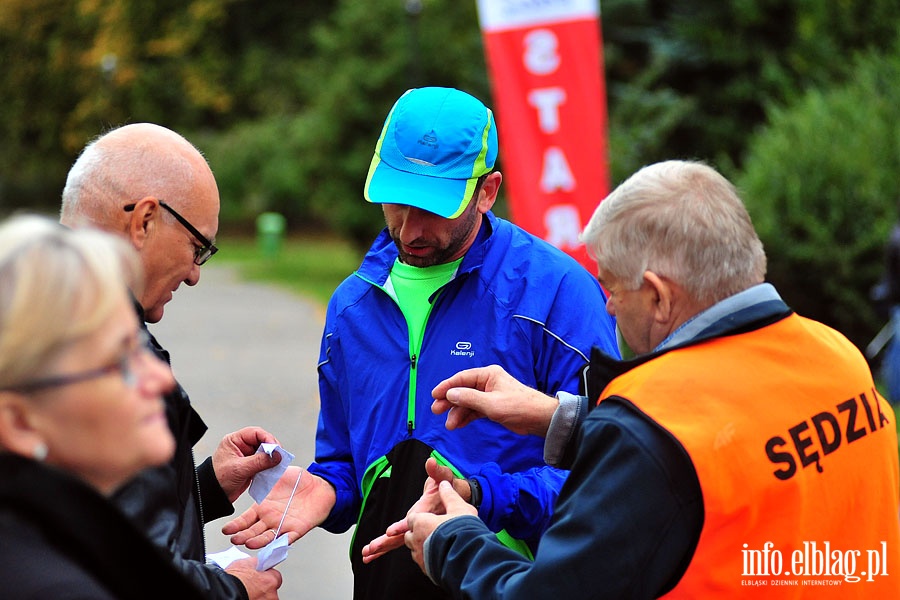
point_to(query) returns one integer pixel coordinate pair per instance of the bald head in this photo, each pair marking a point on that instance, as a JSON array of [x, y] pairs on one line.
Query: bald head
[[128, 182], [130, 163]]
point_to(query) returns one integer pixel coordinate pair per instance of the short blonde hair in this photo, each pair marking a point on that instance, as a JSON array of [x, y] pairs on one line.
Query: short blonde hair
[[57, 286]]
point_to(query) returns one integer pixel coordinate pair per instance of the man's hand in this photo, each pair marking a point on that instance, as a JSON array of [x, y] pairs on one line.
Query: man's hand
[[493, 393], [429, 502], [312, 502], [236, 462], [422, 524], [260, 585]]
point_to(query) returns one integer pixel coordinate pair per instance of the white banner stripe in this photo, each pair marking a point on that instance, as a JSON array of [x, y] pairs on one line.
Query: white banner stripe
[[500, 15]]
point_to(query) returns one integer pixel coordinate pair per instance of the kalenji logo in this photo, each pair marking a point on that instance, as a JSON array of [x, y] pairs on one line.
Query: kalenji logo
[[429, 139], [816, 563], [463, 349]]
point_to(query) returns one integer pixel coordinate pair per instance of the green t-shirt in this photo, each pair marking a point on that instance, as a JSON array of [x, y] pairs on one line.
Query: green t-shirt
[[411, 287]]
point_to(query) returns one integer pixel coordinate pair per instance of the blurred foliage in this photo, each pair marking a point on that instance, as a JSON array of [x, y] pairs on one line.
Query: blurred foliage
[[821, 184], [692, 79], [74, 68], [287, 100], [311, 165]]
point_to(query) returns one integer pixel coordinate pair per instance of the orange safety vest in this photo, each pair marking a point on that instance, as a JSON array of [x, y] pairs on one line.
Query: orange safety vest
[[796, 454]]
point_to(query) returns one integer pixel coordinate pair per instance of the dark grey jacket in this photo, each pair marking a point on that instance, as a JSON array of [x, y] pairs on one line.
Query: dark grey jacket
[[171, 503]]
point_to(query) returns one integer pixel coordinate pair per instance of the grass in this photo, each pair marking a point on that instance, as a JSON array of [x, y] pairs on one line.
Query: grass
[[312, 267]]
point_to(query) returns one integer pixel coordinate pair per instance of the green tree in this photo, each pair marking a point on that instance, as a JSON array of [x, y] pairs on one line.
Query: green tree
[[691, 79], [821, 184], [311, 166], [77, 67], [39, 43]]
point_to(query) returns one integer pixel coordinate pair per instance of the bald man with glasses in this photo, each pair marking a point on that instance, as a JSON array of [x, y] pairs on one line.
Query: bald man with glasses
[[152, 187]]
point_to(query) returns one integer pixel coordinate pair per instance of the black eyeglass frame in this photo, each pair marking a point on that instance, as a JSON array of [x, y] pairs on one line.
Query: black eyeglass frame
[[202, 254], [121, 365]]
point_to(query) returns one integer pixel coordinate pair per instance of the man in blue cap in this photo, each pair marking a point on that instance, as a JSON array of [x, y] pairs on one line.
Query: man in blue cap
[[446, 286]]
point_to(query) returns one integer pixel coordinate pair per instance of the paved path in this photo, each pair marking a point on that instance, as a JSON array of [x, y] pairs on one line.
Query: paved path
[[246, 353]]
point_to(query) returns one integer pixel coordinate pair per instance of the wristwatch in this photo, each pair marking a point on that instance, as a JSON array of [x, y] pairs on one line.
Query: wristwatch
[[475, 498]]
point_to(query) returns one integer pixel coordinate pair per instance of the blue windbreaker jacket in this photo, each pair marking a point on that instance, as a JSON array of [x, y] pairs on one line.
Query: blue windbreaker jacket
[[515, 301]]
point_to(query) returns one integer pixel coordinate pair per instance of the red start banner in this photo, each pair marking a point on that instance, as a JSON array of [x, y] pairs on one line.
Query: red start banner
[[545, 62]]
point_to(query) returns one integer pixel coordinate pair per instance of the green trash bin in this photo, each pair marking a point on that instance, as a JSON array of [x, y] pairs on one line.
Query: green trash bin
[[270, 233]]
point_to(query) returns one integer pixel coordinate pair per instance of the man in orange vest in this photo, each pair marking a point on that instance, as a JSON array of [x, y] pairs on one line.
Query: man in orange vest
[[744, 447]]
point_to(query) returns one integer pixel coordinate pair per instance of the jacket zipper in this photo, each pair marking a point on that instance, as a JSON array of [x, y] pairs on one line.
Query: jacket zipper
[[199, 505], [413, 359], [411, 407]]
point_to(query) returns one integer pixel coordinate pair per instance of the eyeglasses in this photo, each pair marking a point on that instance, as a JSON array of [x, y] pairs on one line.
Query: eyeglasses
[[201, 253], [121, 365]]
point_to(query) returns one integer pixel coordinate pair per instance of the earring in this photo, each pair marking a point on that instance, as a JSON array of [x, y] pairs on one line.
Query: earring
[[40, 452]]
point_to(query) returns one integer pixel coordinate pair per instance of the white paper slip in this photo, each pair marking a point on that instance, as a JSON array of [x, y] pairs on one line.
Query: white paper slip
[[226, 557], [264, 481], [273, 553]]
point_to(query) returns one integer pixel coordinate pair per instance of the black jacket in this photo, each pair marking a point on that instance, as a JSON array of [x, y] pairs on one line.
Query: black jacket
[[172, 503], [61, 539]]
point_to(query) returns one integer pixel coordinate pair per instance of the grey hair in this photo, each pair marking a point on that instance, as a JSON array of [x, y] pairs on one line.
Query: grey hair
[[682, 220], [57, 285]]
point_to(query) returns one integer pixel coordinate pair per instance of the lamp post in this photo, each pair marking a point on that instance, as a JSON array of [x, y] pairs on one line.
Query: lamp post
[[413, 10], [108, 64]]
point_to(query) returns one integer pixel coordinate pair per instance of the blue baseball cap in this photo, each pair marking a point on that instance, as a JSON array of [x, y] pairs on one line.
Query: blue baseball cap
[[435, 144]]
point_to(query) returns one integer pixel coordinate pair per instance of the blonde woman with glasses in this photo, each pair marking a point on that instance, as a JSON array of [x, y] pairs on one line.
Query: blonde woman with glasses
[[81, 413]]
